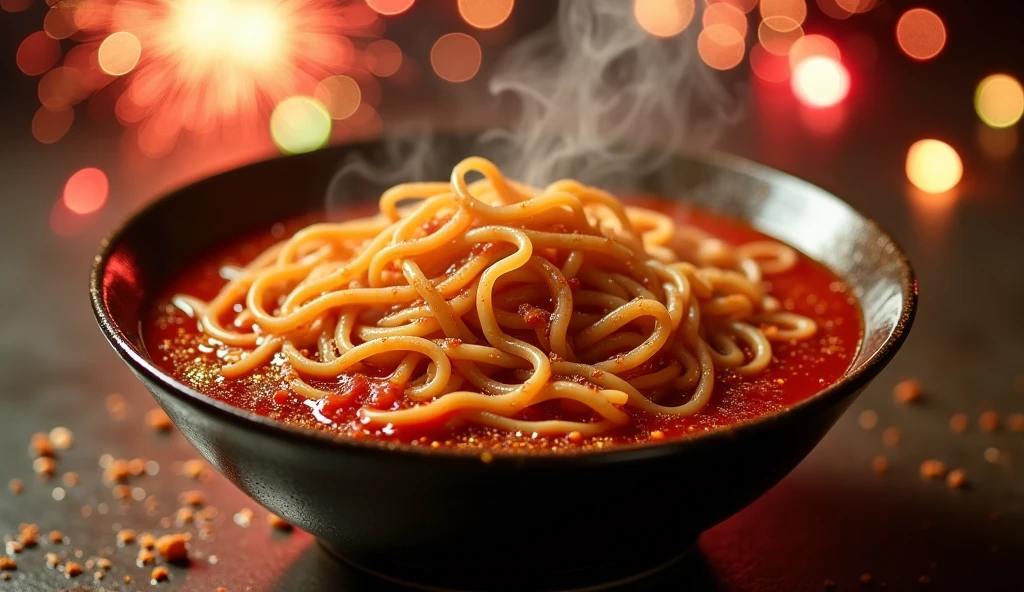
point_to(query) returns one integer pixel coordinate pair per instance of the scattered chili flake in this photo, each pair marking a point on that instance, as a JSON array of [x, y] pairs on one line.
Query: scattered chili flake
[[959, 423], [103, 563], [244, 517], [282, 397], [52, 560], [173, 548], [145, 557], [72, 569], [908, 391], [71, 479], [56, 537], [277, 522], [122, 492], [892, 436], [865, 578], [956, 479], [193, 469], [7, 564], [159, 574], [933, 469], [16, 486], [44, 466], [61, 438], [868, 419], [147, 541], [117, 471], [39, 445], [183, 516], [1015, 422], [879, 464], [158, 421], [116, 406], [125, 537], [193, 497], [989, 421], [657, 435]]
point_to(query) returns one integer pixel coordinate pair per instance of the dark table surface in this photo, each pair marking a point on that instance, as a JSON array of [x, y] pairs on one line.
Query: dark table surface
[[833, 518]]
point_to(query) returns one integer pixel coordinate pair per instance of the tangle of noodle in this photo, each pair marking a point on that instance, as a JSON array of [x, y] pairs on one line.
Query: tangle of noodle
[[485, 299]]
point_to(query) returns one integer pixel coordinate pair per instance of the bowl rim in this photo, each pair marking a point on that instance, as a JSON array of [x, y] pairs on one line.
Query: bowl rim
[[846, 386]]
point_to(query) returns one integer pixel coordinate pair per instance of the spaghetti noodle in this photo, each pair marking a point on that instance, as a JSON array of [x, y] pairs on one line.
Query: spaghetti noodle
[[548, 311]]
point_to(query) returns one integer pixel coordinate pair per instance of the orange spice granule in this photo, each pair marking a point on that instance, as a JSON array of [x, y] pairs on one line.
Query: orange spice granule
[[193, 497], [145, 557], [1015, 422], [879, 464], [61, 438], [116, 406], [221, 589], [193, 469], [125, 537], [959, 423], [173, 548], [72, 569], [147, 541], [98, 576], [122, 492], [127, 579], [184, 516], [956, 479], [244, 517], [575, 437], [277, 522], [989, 421], [933, 469], [16, 486], [39, 445], [13, 547], [7, 564], [137, 466], [103, 563], [867, 419], [865, 578], [5, 576], [56, 537], [52, 560], [71, 479], [908, 391], [44, 466], [159, 574], [657, 435], [892, 436], [158, 421], [117, 472], [28, 534]]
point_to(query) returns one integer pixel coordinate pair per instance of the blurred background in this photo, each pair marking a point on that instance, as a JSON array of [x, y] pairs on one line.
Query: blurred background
[[908, 110]]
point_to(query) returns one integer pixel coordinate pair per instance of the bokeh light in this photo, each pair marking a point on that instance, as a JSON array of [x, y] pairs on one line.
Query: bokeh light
[[300, 124], [812, 45], [390, 7], [831, 8], [999, 100], [792, 9], [37, 53], [724, 13], [778, 34], [663, 18], [745, 6], [61, 87], [59, 22], [485, 14], [15, 5], [383, 57], [767, 66], [119, 53], [720, 46], [997, 143], [856, 6], [934, 166], [340, 95], [50, 125], [820, 81], [86, 191], [921, 33], [456, 57]]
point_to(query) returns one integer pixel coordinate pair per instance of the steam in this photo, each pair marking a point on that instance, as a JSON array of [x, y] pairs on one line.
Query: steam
[[601, 99]]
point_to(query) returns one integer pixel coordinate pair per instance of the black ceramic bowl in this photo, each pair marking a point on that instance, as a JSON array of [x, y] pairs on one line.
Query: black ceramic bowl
[[449, 520]]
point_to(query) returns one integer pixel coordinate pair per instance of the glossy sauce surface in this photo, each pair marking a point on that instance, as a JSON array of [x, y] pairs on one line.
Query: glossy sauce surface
[[798, 370]]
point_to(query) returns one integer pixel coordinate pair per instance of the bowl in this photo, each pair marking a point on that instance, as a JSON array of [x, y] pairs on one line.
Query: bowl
[[441, 519]]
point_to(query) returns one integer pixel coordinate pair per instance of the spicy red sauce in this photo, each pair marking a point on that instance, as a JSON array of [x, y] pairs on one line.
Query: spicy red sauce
[[798, 370]]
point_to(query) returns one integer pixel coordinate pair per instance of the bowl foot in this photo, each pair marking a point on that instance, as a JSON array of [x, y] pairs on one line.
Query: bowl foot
[[603, 578]]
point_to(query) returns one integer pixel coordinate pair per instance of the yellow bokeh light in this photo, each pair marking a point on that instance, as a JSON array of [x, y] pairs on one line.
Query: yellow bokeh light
[[720, 47], [300, 124], [934, 166], [485, 14], [820, 81], [119, 53], [340, 95], [390, 7], [999, 100], [921, 33], [663, 18]]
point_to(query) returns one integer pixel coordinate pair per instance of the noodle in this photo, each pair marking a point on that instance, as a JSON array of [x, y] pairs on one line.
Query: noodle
[[546, 311]]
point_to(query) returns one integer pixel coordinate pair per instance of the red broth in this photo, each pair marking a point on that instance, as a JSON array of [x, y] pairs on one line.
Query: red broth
[[798, 370]]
